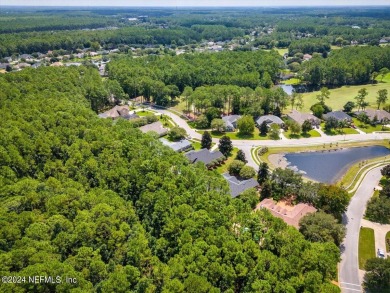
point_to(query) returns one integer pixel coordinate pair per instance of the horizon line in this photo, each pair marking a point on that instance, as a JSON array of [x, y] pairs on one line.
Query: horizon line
[[202, 6]]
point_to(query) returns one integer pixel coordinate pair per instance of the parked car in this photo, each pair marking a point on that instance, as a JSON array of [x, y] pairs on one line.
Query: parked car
[[381, 253]]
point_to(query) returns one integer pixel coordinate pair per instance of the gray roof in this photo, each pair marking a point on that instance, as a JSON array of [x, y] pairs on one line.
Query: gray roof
[[177, 146], [231, 120], [269, 119], [371, 113], [155, 127], [301, 117], [203, 155], [237, 187], [339, 115]]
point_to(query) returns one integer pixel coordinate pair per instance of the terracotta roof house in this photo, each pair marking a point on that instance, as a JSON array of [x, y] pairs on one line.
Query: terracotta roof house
[[239, 186], [380, 115], [178, 146], [204, 155], [117, 112], [154, 127], [269, 119], [288, 213], [231, 122], [338, 115], [302, 117], [307, 57]]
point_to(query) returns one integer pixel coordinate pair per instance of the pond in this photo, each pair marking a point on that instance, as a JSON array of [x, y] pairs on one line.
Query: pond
[[301, 88], [329, 166]]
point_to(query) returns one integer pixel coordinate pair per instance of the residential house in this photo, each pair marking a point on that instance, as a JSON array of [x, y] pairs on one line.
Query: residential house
[[178, 146], [269, 119], [119, 112], [231, 122], [290, 214], [156, 127], [307, 57], [24, 65], [339, 116], [239, 186], [377, 116], [205, 156], [302, 117]]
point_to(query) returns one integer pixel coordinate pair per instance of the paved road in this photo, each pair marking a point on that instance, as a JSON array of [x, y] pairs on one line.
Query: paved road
[[349, 267], [246, 145]]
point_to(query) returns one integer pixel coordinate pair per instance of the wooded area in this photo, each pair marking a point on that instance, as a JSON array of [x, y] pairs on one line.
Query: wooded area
[[114, 208]]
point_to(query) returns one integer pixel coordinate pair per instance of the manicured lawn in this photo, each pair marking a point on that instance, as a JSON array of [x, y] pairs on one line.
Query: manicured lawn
[[144, 113], [282, 51], [311, 133], [366, 246], [340, 96], [388, 241], [342, 131], [224, 167], [196, 145], [236, 135], [292, 81], [367, 128]]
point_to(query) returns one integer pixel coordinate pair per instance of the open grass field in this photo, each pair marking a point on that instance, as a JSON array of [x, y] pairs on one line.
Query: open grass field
[[366, 246], [386, 78], [311, 133], [224, 167], [340, 96]]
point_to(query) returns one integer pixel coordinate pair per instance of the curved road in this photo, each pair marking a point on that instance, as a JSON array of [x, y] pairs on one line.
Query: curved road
[[349, 267], [247, 145]]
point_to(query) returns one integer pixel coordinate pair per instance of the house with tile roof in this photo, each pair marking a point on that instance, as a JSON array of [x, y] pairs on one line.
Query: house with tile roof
[[290, 214]]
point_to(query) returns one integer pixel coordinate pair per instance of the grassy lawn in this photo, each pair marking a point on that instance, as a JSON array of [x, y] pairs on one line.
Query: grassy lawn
[[366, 246], [224, 167], [311, 133], [236, 135], [180, 105], [144, 113], [367, 128], [196, 145], [342, 131], [282, 51], [340, 96], [387, 241], [292, 81], [385, 79]]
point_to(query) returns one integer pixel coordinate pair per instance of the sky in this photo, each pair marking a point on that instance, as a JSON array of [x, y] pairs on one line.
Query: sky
[[194, 2]]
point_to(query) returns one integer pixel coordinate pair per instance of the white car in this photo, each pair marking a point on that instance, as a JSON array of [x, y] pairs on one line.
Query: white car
[[381, 253]]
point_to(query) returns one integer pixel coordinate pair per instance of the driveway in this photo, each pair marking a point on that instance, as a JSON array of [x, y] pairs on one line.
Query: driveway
[[380, 231], [349, 267], [246, 145]]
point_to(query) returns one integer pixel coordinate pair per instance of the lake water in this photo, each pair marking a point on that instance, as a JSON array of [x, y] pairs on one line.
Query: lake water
[[328, 167]]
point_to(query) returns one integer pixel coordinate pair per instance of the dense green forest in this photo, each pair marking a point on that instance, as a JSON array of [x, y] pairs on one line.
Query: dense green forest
[[147, 76], [101, 202], [352, 65], [29, 31]]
